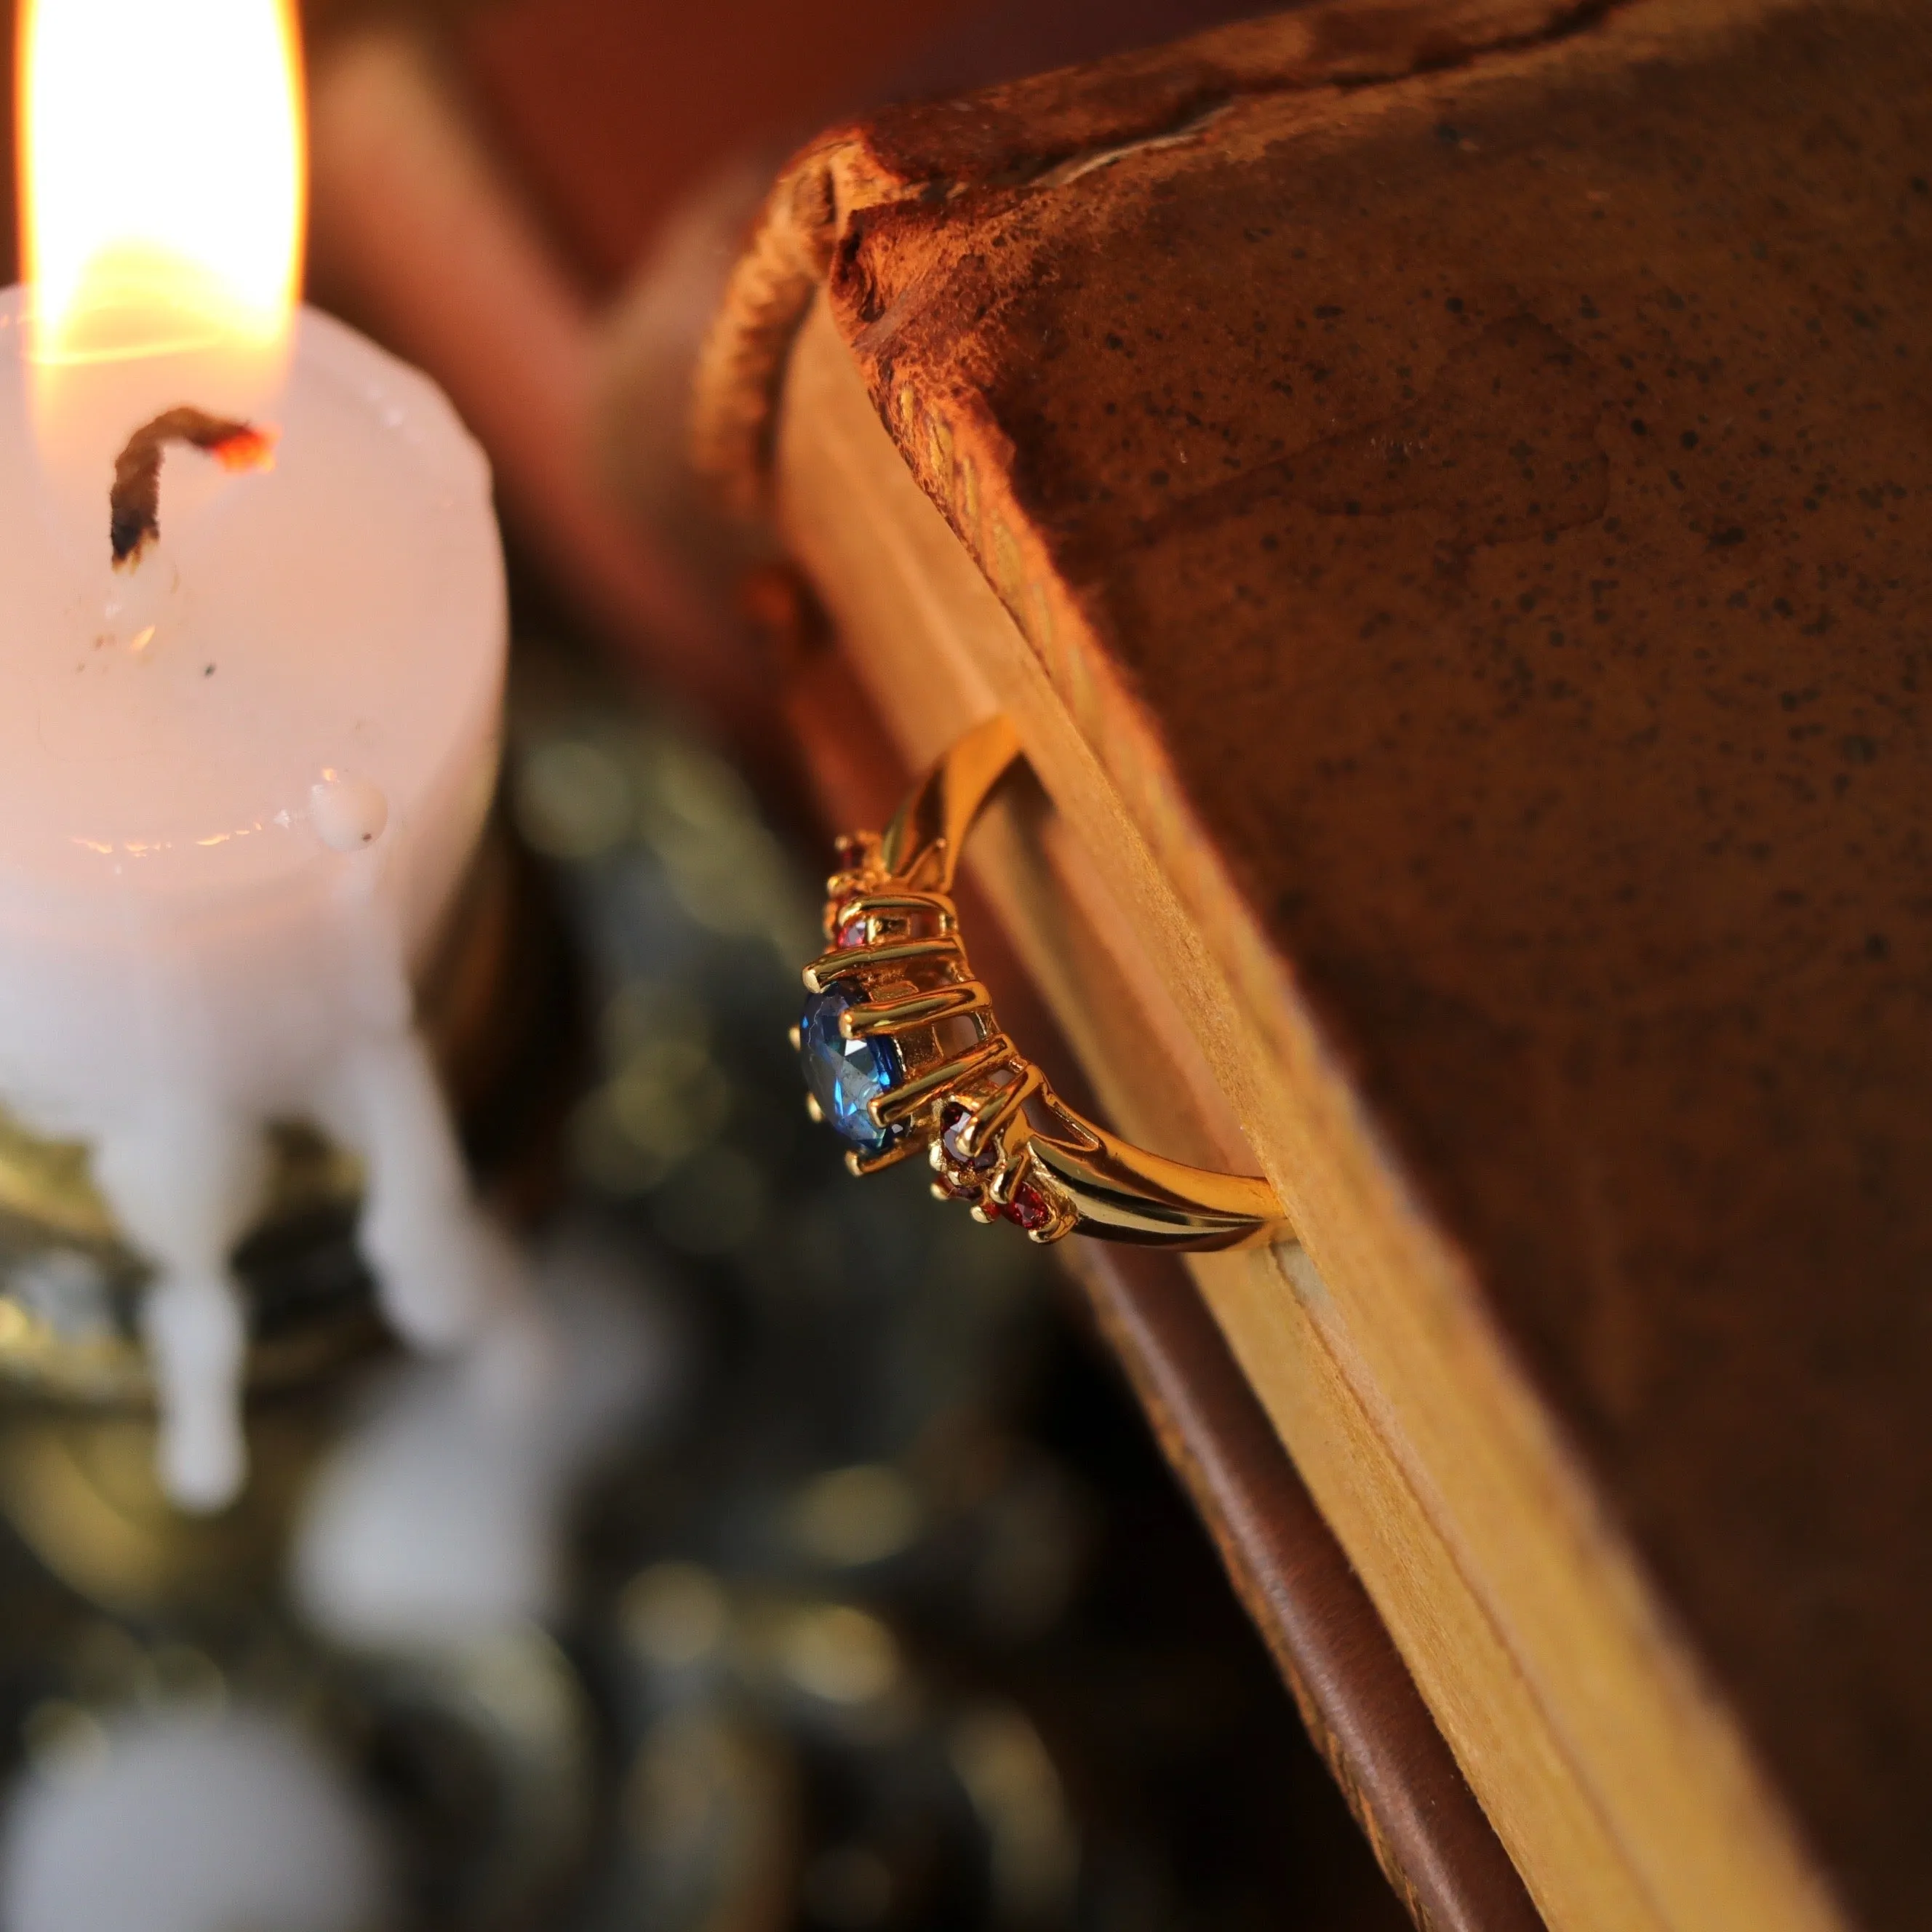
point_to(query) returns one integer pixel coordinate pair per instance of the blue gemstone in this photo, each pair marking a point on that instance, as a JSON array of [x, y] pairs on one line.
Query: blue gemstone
[[843, 1075]]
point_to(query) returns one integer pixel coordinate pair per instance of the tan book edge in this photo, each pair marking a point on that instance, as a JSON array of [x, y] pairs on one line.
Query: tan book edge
[[1615, 1779]]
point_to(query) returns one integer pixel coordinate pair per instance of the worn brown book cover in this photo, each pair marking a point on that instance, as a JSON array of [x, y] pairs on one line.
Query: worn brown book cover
[[1449, 488]]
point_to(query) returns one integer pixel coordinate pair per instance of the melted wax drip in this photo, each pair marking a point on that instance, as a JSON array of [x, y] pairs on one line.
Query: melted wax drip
[[185, 1181]]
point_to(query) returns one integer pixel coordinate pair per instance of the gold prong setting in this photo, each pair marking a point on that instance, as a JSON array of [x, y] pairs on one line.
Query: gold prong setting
[[903, 1052], [901, 1049], [982, 1155]]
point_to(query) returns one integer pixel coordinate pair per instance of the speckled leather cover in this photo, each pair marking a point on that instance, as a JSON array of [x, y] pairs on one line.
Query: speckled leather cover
[[1499, 504]]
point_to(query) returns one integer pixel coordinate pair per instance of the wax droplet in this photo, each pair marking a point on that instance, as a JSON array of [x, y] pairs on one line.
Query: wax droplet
[[347, 813]]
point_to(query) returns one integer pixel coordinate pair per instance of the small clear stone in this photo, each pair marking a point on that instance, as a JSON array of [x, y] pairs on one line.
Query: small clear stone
[[953, 1124]]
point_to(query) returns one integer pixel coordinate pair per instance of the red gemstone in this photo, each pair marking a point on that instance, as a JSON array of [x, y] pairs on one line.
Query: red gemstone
[[851, 933], [1029, 1208]]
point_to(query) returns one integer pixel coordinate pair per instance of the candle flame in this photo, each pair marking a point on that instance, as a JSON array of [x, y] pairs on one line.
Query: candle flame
[[162, 164]]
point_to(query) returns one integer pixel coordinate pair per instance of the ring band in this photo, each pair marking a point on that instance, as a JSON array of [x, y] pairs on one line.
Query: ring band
[[902, 1052]]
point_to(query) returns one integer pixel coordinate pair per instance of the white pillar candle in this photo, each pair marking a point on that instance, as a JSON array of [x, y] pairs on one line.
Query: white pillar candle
[[241, 773], [223, 848]]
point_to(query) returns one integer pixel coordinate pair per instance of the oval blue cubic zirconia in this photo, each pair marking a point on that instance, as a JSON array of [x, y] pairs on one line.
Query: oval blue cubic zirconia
[[843, 1075]]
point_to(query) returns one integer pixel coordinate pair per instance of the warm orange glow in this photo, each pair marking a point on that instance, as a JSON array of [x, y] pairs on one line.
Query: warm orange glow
[[162, 164]]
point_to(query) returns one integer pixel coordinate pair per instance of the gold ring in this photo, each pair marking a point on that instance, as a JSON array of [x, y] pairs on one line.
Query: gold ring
[[902, 1052]]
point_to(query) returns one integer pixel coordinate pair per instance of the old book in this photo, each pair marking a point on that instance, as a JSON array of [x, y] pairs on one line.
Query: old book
[[1445, 490]]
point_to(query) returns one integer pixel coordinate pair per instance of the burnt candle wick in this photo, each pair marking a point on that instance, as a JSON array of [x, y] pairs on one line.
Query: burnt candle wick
[[134, 502]]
